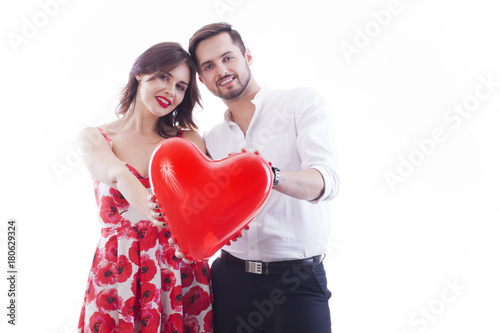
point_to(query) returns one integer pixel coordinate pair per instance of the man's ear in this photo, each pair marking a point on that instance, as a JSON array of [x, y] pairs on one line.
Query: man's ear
[[248, 57]]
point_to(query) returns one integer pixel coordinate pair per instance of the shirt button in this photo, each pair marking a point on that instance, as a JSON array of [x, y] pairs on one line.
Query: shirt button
[[252, 248]]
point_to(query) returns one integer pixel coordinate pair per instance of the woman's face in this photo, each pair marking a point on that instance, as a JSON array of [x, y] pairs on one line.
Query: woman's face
[[161, 92]]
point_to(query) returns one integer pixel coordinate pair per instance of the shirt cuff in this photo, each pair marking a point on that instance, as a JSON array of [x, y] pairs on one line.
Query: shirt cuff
[[331, 181]]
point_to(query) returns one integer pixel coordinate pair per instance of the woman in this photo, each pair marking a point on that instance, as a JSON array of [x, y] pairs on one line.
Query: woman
[[136, 283]]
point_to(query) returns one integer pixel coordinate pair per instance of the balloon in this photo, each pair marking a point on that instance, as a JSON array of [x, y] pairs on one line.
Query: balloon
[[205, 202]]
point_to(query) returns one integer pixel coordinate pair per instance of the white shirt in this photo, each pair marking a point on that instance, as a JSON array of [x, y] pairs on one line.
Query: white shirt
[[290, 129]]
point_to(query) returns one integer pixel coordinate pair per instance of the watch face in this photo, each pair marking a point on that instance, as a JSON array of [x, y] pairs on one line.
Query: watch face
[[277, 173]]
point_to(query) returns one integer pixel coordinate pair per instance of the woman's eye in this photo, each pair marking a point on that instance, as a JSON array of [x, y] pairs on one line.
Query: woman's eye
[[181, 88]]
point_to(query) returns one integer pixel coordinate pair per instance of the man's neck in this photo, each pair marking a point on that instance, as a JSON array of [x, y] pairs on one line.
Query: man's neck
[[242, 108]]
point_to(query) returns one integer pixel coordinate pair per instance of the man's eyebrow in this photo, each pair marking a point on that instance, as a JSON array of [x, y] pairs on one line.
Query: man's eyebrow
[[221, 56]]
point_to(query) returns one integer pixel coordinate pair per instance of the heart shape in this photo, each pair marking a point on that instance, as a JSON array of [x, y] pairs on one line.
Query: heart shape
[[205, 202]]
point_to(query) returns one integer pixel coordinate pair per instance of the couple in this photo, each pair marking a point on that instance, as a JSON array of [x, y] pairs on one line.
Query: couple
[[270, 280]]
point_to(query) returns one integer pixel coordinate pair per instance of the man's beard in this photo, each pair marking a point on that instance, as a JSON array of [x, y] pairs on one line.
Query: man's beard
[[236, 91]]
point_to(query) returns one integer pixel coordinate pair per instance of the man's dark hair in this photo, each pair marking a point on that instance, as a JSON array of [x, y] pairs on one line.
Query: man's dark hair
[[210, 31]]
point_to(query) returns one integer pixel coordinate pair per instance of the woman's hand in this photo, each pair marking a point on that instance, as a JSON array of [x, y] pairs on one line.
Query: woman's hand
[[159, 221], [179, 254], [156, 216]]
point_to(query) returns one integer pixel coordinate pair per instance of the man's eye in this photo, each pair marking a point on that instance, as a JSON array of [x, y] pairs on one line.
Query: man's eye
[[228, 58], [208, 67]]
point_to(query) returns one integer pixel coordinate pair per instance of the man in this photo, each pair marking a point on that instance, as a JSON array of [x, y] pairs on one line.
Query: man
[[272, 279]]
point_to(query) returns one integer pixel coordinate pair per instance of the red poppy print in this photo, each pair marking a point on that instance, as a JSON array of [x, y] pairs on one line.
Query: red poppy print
[[176, 297], [148, 235], [144, 181], [149, 292], [164, 236], [129, 308], [106, 273], [126, 327], [202, 273], [168, 257], [106, 232], [119, 199], [167, 279], [109, 212], [158, 254], [111, 249], [195, 301], [191, 325], [108, 300], [175, 323], [134, 253], [81, 321], [102, 323], [150, 321], [98, 256], [90, 292], [97, 193], [187, 276], [208, 324], [147, 269], [124, 269], [136, 283], [126, 230]]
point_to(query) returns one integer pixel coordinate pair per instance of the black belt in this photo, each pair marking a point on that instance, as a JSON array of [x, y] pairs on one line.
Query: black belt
[[277, 267]]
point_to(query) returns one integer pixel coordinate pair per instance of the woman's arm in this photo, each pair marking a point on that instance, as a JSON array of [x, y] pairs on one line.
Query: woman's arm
[[107, 168]]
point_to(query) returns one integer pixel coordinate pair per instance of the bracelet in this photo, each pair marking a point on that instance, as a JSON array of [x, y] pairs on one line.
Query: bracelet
[[277, 174]]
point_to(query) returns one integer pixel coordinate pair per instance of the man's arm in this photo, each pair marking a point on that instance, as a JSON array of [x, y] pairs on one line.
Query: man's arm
[[317, 181], [305, 185]]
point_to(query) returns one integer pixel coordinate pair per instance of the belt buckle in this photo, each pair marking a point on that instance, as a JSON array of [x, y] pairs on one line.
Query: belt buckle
[[254, 267]]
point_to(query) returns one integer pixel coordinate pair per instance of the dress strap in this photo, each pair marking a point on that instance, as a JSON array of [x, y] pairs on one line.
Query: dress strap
[[179, 133], [105, 136]]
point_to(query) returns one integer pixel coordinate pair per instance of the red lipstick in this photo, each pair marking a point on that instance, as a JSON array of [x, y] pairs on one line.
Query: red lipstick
[[163, 101]]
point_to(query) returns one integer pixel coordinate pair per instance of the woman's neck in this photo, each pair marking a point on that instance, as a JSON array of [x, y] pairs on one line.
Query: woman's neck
[[139, 120]]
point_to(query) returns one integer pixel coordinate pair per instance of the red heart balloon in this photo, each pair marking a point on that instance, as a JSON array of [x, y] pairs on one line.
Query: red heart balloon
[[207, 202]]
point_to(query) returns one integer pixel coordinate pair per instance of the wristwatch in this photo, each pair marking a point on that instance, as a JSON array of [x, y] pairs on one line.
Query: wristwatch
[[277, 174]]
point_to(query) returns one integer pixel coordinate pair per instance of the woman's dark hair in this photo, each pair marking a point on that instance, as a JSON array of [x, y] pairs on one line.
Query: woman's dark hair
[[164, 57]]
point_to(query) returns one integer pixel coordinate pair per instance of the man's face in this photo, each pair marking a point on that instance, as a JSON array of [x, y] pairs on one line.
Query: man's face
[[223, 68]]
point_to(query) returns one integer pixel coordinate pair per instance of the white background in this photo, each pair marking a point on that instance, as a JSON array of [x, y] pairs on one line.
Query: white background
[[394, 251]]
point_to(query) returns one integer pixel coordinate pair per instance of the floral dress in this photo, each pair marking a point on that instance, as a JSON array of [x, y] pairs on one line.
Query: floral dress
[[136, 284]]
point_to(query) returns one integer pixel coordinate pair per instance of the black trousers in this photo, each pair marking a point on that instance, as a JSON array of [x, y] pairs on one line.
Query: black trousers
[[295, 300]]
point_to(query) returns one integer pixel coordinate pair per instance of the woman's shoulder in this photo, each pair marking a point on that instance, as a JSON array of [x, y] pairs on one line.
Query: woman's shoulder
[[195, 138], [190, 134], [98, 134], [109, 128]]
